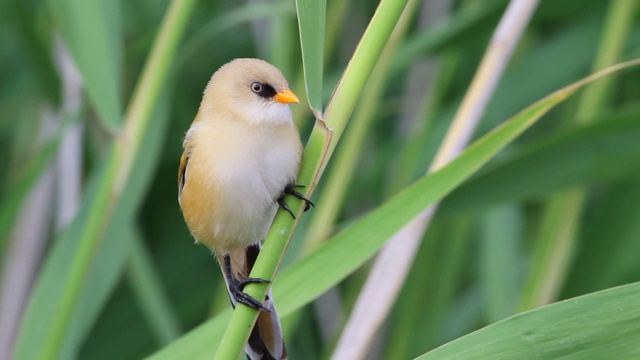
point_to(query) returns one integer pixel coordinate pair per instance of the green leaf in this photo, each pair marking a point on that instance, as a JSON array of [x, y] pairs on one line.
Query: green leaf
[[110, 187], [602, 325], [319, 148], [557, 238], [91, 30], [106, 265], [544, 59], [311, 21], [350, 248], [36, 323], [365, 115], [588, 155], [198, 343]]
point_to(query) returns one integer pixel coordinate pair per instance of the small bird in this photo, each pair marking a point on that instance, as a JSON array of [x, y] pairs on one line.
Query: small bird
[[241, 157]]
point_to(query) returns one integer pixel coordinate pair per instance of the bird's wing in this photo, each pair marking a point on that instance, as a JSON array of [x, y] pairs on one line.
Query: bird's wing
[[184, 162], [182, 173]]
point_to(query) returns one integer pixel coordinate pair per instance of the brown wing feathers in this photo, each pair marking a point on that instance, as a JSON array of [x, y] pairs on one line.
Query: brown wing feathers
[[182, 172]]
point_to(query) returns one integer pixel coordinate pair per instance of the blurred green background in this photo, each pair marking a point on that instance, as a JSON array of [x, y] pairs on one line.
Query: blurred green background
[[492, 241]]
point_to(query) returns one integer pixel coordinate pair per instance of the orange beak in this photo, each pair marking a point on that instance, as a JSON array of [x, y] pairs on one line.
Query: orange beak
[[286, 96]]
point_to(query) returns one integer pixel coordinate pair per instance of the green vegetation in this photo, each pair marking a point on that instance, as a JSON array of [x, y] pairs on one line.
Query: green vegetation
[[533, 241]]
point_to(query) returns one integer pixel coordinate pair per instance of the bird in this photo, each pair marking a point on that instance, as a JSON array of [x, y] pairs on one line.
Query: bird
[[241, 157]]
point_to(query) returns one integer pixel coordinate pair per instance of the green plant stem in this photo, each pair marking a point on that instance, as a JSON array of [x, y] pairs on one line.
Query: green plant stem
[[80, 265], [391, 267], [336, 12], [118, 167], [360, 67], [323, 269], [153, 79], [319, 149], [342, 172]]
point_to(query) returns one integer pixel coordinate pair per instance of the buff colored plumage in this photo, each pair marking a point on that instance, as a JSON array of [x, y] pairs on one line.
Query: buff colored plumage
[[241, 155]]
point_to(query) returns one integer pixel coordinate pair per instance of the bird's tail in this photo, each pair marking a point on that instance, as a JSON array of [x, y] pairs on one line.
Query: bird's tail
[[266, 341]]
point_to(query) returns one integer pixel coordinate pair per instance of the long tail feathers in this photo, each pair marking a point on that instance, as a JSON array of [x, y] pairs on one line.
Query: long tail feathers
[[266, 341]]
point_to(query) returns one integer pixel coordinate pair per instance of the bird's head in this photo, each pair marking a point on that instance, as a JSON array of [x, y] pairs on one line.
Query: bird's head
[[249, 90]]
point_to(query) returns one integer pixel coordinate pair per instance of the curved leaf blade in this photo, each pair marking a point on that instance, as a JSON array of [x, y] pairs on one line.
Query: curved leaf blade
[[350, 248], [602, 325], [311, 22], [592, 154], [107, 264]]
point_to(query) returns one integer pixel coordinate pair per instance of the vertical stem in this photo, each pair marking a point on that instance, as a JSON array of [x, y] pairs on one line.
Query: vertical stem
[[319, 149], [118, 167], [392, 265]]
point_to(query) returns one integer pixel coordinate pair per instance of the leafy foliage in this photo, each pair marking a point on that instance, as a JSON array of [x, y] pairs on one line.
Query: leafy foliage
[[145, 284]]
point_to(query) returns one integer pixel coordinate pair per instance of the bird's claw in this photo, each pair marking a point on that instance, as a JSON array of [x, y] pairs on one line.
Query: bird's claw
[[289, 190], [236, 288]]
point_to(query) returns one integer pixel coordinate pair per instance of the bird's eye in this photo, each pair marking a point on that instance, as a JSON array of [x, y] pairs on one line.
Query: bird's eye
[[263, 90], [256, 87]]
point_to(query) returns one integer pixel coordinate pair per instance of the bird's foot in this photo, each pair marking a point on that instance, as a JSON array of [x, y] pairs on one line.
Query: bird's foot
[[236, 288], [290, 190]]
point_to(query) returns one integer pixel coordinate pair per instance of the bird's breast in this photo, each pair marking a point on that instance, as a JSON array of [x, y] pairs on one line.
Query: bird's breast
[[235, 174]]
